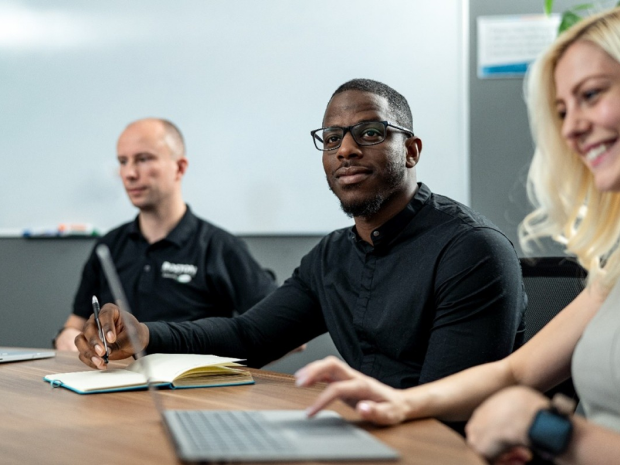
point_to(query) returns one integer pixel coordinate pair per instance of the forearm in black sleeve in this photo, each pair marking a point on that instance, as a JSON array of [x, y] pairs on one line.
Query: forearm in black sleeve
[[282, 321], [480, 303]]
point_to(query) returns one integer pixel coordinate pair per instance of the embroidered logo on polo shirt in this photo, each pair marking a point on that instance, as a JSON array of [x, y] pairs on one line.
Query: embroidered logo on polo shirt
[[178, 271]]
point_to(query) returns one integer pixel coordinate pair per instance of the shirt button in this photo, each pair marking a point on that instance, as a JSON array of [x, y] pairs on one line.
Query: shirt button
[[147, 268], [375, 233]]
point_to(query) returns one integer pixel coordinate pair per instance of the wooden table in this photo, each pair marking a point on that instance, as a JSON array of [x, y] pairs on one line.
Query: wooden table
[[44, 425]]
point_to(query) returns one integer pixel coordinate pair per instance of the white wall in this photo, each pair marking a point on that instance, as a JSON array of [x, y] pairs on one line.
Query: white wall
[[245, 80]]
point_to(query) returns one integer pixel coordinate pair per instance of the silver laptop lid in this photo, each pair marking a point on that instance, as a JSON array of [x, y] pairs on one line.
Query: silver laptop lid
[[103, 252], [19, 355]]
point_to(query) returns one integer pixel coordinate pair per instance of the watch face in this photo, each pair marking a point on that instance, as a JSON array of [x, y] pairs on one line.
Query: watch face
[[550, 433]]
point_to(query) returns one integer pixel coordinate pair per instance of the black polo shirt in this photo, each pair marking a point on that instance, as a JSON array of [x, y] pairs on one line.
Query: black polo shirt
[[197, 271], [439, 291]]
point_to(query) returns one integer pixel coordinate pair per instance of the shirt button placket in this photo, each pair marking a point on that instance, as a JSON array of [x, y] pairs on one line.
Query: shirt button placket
[[360, 311], [146, 277]]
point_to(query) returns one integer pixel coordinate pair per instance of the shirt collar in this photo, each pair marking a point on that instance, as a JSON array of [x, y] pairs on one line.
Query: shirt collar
[[179, 233], [392, 227]]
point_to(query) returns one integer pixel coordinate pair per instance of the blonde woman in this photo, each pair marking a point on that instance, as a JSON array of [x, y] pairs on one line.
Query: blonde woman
[[574, 180]]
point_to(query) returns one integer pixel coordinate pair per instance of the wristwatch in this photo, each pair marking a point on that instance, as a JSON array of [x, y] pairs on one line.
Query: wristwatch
[[57, 335], [552, 428]]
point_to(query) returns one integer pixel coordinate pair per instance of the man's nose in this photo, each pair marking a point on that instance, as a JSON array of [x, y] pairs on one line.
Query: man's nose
[[129, 171], [349, 148]]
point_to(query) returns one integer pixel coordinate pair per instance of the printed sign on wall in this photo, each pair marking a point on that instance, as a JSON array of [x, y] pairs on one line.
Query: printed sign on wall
[[508, 44]]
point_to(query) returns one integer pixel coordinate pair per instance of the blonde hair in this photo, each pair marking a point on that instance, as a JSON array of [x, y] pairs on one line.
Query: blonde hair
[[568, 207]]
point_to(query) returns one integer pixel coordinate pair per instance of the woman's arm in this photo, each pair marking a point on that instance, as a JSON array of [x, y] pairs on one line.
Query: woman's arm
[[503, 421], [590, 443], [541, 363]]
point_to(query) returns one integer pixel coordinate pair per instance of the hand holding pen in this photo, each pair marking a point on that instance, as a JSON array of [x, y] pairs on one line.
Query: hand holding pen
[[92, 345], [101, 335]]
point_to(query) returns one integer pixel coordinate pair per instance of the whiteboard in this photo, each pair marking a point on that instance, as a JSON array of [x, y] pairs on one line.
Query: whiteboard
[[245, 80]]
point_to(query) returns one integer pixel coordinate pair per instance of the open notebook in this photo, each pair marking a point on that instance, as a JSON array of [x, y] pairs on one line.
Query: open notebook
[[257, 435], [173, 371]]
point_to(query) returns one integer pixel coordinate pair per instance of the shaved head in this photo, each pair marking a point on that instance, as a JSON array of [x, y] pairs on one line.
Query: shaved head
[[170, 134]]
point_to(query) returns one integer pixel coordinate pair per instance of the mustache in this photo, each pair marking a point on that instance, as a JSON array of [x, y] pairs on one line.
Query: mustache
[[348, 167]]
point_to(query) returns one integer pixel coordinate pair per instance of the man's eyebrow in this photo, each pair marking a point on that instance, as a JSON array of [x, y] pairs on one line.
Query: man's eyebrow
[[365, 120], [369, 120], [122, 157]]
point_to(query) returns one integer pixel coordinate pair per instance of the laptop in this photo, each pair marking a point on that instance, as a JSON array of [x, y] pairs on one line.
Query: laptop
[[19, 355], [255, 435]]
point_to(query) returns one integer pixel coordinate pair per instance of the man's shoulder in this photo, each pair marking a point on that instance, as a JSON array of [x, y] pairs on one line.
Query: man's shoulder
[[214, 238], [448, 210], [114, 234], [115, 239], [454, 224], [459, 227], [208, 230]]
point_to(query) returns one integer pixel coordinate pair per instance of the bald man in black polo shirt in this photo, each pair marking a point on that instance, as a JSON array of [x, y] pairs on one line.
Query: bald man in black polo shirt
[[174, 266]]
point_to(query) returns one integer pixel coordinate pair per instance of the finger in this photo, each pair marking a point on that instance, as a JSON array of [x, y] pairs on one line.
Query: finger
[[91, 337], [87, 355], [510, 461], [328, 370], [515, 456], [487, 445], [110, 318], [352, 390], [116, 352]]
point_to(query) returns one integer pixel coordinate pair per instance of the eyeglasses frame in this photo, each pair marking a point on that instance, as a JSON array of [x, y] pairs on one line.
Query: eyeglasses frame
[[349, 128]]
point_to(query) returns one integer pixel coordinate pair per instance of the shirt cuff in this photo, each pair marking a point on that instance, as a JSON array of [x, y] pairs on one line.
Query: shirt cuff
[[159, 337]]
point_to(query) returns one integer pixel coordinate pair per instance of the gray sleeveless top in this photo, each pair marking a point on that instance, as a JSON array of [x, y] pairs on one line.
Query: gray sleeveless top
[[596, 364]]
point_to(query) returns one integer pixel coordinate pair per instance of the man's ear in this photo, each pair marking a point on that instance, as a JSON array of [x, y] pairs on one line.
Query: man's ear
[[182, 164], [414, 149]]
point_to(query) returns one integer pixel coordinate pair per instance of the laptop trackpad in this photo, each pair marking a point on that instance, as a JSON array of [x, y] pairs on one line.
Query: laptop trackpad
[[270, 435]]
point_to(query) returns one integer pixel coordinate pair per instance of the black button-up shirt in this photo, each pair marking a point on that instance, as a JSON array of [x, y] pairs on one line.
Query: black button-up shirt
[[439, 290], [198, 270]]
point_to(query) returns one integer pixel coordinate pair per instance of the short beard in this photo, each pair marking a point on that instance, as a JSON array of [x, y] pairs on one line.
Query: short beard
[[366, 208]]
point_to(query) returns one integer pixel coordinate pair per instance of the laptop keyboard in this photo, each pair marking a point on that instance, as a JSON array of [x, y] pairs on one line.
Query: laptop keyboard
[[228, 431]]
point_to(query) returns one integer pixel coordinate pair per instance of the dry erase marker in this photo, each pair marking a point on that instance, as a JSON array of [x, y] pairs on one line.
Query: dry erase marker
[[101, 335]]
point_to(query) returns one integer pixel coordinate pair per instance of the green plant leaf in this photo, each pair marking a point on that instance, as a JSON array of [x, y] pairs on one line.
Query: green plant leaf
[[568, 19], [582, 6], [549, 7]]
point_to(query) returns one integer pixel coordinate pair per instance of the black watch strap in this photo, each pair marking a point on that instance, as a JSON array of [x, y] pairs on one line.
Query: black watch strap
[[56, 337], [551, 430]]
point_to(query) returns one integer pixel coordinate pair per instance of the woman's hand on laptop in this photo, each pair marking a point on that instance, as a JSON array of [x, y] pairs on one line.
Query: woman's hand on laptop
[[116, 325], [373, 400]]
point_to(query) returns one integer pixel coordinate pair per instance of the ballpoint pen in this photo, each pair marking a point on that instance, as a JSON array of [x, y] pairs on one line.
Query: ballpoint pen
[[101, 335]]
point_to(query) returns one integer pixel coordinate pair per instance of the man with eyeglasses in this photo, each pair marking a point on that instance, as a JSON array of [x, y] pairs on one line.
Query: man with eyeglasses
[[419, 288]]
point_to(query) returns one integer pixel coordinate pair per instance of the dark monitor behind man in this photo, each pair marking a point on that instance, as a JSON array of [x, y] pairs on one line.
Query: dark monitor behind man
[[419, 288], [174, 265]]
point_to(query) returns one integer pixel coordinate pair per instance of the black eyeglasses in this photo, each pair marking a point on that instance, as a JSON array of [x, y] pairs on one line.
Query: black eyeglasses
[[366, 133]]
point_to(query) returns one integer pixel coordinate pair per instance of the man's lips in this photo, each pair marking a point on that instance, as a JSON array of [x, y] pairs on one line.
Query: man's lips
[[135, 190], [351, 174]]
